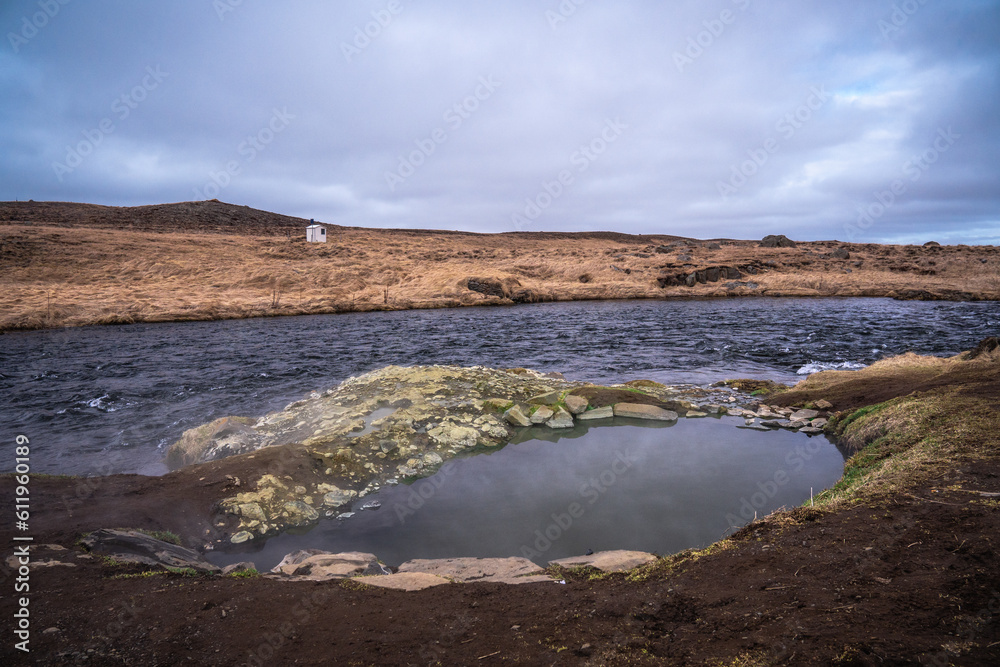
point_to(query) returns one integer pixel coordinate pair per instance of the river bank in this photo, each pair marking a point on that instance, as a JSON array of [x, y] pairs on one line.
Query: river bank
[[78, 264], [895, 564]]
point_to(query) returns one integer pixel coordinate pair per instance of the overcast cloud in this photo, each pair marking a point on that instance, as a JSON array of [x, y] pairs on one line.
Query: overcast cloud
[[857, 120]]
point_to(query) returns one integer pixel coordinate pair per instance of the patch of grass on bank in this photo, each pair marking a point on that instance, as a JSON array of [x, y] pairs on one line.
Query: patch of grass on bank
[[902, 442], [757, 387], [245, 574], [161, 535]]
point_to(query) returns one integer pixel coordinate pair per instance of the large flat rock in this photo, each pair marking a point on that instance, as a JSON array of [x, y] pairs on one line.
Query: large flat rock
[[499, 570], [405, 581], [316, 565], [639, 411], [608, 561], [133, 547], [605, 412]]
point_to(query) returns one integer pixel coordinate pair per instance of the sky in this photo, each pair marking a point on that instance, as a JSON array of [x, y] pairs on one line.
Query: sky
[[865, 121]]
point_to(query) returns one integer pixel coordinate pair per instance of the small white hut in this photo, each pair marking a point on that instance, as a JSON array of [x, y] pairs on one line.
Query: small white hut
[[315, 233]]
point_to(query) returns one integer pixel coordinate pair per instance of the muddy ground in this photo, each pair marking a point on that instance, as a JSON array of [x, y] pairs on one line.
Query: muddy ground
[[896, 581]]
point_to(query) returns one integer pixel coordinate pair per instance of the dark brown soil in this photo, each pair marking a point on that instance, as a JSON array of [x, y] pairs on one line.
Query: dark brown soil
[[885, 583]]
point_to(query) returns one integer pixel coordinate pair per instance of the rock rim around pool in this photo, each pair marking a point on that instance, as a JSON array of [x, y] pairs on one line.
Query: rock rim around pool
[[398, 424]]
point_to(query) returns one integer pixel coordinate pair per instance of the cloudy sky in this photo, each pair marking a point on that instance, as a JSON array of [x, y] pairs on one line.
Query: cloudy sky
[[874, 120]]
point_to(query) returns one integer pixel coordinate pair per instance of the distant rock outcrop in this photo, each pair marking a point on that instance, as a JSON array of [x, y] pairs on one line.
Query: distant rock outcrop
[[777, 241]]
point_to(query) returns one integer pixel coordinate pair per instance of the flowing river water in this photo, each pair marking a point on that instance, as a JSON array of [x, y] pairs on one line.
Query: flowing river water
[[101, 400]]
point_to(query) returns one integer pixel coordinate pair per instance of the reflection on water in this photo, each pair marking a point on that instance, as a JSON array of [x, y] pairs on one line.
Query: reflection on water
[[620, 485]]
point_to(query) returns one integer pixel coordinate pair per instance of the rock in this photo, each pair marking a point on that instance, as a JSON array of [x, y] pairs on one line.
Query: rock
[[548, 398], [487, 286], [608, 561], [561, 419], [253, 512], [984, 348], [241, 537], [541, 415], [840, 253], [576, 404], [606, 412], [819, 423], [714, 246], [824, 404], [223, 437], [133, 547], [317, 565], [755, 427], [300, 513], [774, 423], [449, 435], [338, 497], [804, 415], [245, 566], [516, 417], [736, 285], [638, 411], [693, 414], [777, 241], [811, 430], [405, 581], [500, 570]]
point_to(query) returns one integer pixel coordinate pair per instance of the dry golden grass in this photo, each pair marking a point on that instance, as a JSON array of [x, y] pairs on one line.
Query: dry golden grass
[[52, 276]]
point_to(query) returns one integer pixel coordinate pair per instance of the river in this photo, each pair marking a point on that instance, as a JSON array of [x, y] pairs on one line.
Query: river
[[97, 400]]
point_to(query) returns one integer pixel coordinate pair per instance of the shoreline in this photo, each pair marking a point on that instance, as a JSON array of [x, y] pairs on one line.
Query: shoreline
[[891, 295]]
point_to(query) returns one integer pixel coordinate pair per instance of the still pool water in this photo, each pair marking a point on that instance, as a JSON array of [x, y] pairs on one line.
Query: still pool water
[[620, 484]]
